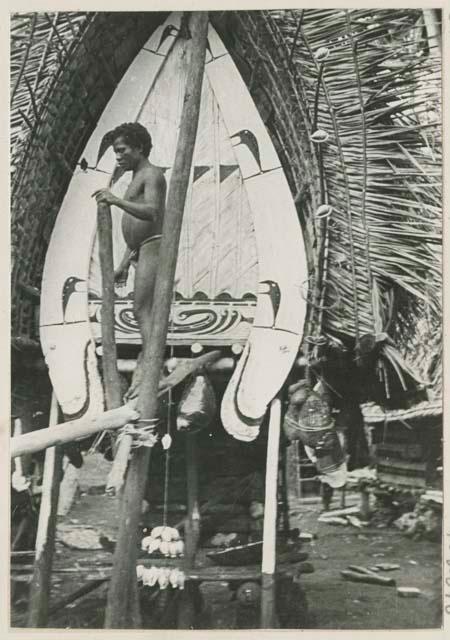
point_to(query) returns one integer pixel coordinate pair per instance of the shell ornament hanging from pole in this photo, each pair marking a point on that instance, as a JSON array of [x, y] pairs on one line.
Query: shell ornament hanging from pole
[[197, 406]]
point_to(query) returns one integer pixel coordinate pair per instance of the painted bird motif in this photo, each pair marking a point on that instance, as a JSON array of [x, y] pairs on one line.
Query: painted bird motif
[[170, 30], [272, 290], [70, 287], [248, 138]]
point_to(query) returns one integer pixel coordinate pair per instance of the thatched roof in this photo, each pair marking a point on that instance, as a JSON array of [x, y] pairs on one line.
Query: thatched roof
[[369, 79]]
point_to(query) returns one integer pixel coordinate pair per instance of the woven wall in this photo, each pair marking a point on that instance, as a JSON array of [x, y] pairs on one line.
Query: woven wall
[[83, 83]]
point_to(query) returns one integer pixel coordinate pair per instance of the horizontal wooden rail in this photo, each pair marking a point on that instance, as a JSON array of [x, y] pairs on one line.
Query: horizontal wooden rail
[[69, 431]]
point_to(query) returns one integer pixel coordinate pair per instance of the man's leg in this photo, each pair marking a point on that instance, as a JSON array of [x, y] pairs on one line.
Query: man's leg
[[144, 285]]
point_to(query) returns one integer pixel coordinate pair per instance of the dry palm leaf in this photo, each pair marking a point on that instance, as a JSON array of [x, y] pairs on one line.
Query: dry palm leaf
[[375, 98]]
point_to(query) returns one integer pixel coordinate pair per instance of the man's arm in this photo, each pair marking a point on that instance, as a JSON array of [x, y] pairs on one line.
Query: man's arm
[[150, 208]]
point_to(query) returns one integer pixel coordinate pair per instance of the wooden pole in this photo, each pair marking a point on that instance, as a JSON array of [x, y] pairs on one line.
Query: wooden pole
[[69, 431], [18, 468], [186, 605], [46, 533], [124, 573], [111, 379], [193, 505], [268, 617]]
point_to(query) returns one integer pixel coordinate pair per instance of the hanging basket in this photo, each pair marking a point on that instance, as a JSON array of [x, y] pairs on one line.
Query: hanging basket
[[309, 420]]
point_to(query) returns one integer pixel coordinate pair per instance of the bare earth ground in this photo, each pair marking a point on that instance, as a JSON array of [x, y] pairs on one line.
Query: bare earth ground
[[333, 602], [338, 604]]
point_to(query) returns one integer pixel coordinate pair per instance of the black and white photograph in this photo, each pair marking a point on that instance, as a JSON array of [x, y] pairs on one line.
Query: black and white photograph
[[226, 319]]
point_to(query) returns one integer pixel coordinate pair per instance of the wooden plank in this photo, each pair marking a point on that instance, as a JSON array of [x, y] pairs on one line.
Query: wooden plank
[[118, 604], [270, 518], [198, 574], [46, 533], [400, 480], [395, 463]]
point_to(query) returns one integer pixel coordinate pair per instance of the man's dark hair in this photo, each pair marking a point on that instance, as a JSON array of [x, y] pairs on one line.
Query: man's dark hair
[[135, 135]]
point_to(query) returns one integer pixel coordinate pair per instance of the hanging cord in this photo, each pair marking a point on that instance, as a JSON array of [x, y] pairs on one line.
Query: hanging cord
[[167, 456], [169, 424]]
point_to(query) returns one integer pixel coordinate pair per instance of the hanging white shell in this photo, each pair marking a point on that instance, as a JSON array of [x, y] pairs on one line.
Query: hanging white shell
[[166, 441]]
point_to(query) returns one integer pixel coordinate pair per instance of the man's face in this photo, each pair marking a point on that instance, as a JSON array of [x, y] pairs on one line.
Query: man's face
[[127, 157]]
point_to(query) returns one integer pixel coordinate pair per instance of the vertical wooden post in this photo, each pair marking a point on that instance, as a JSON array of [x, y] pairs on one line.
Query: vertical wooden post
[[294, 486], [268, 617], [46, 533], [18, 468], [111, 379], [365, 503], [285, 489], [186, 606], [124, 571], [193, 506]]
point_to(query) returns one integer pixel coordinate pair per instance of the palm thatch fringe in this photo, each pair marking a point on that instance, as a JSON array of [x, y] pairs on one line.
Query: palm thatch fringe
[[371, 92]]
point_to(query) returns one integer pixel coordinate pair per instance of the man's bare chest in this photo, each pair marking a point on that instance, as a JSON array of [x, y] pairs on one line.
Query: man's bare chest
[[135, 190]]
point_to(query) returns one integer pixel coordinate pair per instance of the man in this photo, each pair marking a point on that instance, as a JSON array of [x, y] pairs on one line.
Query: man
[[143, 210]]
